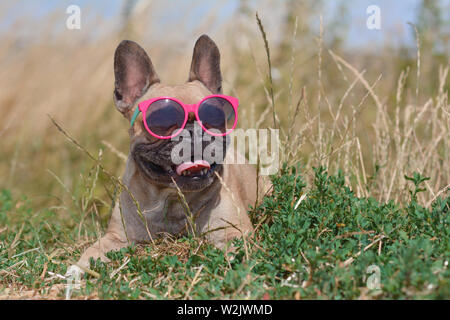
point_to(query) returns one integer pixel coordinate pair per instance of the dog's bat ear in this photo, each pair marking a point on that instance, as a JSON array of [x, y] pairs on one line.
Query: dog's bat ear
[[134, 74], [205, 65]]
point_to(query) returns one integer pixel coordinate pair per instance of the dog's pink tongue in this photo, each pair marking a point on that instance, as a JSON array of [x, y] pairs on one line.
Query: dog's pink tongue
[[192, 166]]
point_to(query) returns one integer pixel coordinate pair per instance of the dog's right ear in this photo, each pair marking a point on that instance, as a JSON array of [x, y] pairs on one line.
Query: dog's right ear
[[205, 65], [134, 74]]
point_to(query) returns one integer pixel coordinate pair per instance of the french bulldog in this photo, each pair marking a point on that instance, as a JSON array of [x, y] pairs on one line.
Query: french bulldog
[[216, 195]]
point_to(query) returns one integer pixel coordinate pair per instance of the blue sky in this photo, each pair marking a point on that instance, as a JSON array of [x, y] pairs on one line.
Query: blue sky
[[394, 15]]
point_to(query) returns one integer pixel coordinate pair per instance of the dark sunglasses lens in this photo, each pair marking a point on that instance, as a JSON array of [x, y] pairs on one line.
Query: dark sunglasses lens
[[217, 113], [164, 117]]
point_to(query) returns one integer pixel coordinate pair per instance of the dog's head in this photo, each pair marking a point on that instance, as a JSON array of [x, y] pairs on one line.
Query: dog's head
[[136, 80]]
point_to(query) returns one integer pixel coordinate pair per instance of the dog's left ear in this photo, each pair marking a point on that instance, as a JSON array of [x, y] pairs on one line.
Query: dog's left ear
[[205, 65], [134, 74]]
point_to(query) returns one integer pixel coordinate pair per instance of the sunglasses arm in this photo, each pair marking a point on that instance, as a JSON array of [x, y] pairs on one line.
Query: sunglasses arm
[[135, 115]]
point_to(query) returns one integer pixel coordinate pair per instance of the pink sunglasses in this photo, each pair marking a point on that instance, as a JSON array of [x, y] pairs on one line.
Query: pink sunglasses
[[166, 117]]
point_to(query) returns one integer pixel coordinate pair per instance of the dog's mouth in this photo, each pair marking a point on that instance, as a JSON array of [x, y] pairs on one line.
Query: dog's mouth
[[196, 170], [199, 167], [155, 163], [188, 176]]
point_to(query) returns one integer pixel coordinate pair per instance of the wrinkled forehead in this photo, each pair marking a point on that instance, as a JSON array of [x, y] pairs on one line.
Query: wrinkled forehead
[[189, 93]]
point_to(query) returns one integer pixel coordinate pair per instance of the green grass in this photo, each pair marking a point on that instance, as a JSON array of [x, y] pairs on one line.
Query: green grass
[[320, 250]]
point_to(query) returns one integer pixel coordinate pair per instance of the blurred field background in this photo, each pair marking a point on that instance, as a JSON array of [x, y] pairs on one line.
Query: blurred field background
[[376, 108]]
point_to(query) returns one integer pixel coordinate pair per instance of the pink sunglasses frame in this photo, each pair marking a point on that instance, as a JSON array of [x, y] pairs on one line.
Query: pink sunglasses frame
[[144, 105]]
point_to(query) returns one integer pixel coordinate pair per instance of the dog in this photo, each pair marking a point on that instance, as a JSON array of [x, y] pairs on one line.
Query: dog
[[150, 204]]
